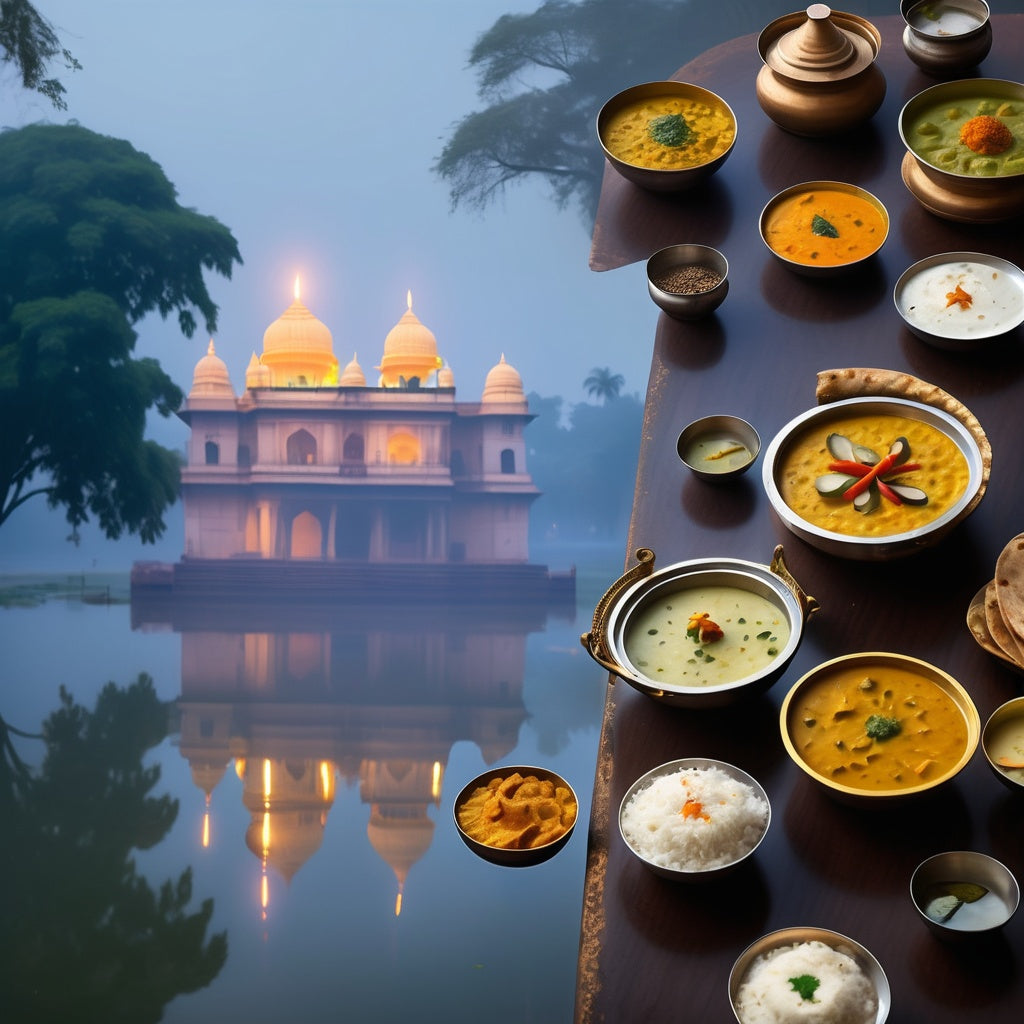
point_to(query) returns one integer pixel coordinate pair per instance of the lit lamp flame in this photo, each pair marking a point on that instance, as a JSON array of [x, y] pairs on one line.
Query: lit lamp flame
[[398, 903], [266, 782], [408, 300], [435, 781], [206, 824], [297, 290]]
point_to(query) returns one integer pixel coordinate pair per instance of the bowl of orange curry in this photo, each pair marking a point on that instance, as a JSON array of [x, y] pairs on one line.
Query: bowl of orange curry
[[824, 228], [873, 478], [516, 815], [877, 726]]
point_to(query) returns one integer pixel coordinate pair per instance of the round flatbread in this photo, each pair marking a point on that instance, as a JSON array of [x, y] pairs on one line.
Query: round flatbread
[[997, 626], [977, 624], [1009, 586], [859, 381]]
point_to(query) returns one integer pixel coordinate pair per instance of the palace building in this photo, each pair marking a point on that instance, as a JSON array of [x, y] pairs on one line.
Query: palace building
[[315, 475]]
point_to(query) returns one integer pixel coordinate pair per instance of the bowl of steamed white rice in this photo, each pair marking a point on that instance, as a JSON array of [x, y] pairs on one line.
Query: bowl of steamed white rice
[[694, 819], [808, 976]]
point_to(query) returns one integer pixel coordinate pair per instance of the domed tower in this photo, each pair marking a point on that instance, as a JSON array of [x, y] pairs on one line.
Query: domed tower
[[503, 384], [352, 376], [210, 379], [298, 349], [410, 350]]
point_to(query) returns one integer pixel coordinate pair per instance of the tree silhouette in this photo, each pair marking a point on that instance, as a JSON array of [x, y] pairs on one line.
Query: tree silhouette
[[604, 384], [93, 240], [545, 76], [28, 42], [83, 937]]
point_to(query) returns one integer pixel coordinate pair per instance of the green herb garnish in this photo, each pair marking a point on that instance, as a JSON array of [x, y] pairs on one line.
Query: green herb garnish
[[764, 635], [805, 986], [670, 130], [879, 727], [820, 226]]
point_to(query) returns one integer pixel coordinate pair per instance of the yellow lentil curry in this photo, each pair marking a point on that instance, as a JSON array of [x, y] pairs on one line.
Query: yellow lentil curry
[[982, 137], [669, 133], [943, 475], [824, 228], [518, 812], [877, 727]]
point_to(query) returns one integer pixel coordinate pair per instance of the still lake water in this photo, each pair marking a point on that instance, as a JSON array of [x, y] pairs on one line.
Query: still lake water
[[378, 699]]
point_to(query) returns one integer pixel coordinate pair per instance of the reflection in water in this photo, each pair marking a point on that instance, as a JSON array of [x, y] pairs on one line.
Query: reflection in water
[[301, 699], [83, 936]]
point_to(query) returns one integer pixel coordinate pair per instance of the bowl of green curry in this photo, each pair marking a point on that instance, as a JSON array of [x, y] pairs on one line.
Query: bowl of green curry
[[965, 149], [666, 136]]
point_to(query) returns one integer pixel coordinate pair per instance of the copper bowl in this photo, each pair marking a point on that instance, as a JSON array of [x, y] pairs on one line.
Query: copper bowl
[[667, 179], [946, 40], [684, 305], [517, 856], [864, 662], [945, 189]]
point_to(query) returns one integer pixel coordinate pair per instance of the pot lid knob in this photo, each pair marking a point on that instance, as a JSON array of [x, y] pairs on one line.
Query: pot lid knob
[[819, 48]]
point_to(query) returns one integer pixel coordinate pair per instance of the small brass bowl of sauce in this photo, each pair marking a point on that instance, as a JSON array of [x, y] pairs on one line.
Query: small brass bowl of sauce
[[946, 38]]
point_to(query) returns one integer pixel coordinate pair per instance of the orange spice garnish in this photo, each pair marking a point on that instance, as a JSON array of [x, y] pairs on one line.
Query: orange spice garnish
[[986, 135], [694, 809], [702, 629], [960, 297]]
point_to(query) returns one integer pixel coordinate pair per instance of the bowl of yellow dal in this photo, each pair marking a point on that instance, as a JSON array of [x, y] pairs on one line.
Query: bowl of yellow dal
[[666, 136], [877, 726], [872, 478], [703, 633]]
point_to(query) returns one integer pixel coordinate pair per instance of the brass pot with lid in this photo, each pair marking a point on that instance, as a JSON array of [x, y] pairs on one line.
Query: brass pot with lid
[[820, 75]]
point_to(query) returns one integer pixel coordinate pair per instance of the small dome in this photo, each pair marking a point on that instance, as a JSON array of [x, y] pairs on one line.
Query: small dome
[[210, 378], [352, 376], [299, 348], [257, 375], [410, 350], [445, 377], [503, 384]]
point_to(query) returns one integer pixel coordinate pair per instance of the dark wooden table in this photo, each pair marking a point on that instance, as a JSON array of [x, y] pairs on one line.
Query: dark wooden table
[[655, 951]]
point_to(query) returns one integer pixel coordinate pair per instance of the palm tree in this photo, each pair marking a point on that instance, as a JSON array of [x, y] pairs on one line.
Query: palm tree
[[604, 384]]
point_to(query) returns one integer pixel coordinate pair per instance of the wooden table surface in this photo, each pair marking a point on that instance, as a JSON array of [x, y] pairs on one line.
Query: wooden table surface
[[655, 951]]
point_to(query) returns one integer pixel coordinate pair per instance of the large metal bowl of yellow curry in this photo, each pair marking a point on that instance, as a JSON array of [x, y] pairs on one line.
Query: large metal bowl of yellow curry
[[666, 136], [877, 726], [872, 478]]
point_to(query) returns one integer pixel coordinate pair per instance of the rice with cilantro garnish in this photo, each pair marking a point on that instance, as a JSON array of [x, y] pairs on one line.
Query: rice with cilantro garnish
[[806, 983], [694, 819]]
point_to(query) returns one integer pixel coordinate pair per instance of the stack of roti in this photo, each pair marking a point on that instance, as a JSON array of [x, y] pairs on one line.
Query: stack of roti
[[996, 614]]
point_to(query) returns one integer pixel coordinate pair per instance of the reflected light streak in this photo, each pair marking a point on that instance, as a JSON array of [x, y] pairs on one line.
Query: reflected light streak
[[398, 903], [206, 825], [266, 782], [325, 779], [435, 781]]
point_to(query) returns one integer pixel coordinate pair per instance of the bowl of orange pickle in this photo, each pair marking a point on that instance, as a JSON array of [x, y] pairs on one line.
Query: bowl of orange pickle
[[516, 815]]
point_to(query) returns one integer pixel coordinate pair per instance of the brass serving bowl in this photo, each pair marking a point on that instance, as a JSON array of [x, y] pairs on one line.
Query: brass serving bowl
[[969, 920], [951, 194], [693, 873], [810, 269], [663, 179], [836, 940], [865, 661], [617, 614], [946, 40], [1003, 736], [517, 856], [889, 546]]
